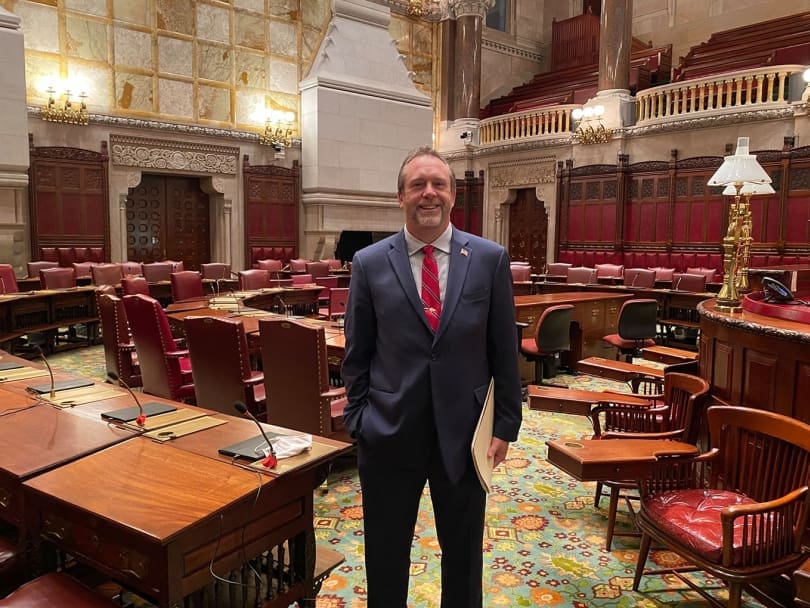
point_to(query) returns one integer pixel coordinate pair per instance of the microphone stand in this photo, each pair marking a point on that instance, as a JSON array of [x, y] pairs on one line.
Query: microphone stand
[[52, 394], [282, 306], [271, 460], [141, 419]]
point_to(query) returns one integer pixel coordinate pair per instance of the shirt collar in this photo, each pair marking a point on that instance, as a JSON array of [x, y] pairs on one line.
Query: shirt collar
[[442, 242]]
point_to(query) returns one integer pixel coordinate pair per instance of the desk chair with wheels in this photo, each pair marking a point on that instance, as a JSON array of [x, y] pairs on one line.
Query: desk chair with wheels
[[187, 285], [215, 270], [552, 335], [338, 296], [738, 511], [638, 326], [298, 264], [639, 277], [255, 278], [581, 274]]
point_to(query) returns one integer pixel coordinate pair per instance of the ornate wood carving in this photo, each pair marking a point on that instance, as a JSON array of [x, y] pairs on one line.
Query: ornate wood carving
[[528, 229], [272, 203]]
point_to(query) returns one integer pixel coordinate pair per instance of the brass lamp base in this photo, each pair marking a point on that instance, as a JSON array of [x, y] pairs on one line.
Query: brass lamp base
[[727, 306]]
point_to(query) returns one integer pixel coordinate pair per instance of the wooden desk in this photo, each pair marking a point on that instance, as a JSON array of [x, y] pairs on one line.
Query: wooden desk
[[575, 401], [605, 459], [621, 371], [595, 315]]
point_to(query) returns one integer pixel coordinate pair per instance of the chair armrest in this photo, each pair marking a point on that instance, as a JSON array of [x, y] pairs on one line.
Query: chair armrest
[[640, 435], [630, 418], [334, 393], [128, 346], [177, 354], [255, 378]]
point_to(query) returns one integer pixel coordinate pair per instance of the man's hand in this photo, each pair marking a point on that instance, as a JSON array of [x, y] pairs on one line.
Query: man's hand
[[497, 451]]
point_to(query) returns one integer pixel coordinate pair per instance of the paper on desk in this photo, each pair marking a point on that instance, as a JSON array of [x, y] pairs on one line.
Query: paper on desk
[[289, 445], [482, 438]]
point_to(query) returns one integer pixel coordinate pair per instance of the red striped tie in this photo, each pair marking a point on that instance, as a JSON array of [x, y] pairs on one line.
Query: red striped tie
[[431, 297]]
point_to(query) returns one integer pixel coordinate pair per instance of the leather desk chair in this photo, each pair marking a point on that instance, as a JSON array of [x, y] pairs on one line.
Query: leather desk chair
[[296, 379], [215, 270], [557, 270], [106, 274], [154, 272], [177, 266], [8, 280], [83, 269], [299, 265], [333, 263], [220, 363], [328, 283], [165, 368], [131, 268], [56, 589], [35, 267], [689, 282], [187, 285], [317, 269], [710, 273], [520, 273], [638, 326], [609, 271], [301, 279], [737, 512], [131, 285], [552, 336], [119, 349], [270, 264], [338, 297], [581, 274], [639, 277], [253, 279], [663, 274], [57, 278]]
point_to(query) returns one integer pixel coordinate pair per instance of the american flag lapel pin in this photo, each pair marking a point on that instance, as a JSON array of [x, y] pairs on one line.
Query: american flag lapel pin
[[465, 252]]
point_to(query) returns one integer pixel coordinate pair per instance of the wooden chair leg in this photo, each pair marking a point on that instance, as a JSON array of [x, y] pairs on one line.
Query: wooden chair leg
[[734, 595], [612, 508], [597, 497], [643, 551]]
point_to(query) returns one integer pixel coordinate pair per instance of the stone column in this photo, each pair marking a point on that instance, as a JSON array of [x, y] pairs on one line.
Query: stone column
[[467, 75], [615, 40]]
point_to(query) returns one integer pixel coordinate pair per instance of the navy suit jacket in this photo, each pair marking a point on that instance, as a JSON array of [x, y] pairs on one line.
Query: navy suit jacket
[[410, 389]]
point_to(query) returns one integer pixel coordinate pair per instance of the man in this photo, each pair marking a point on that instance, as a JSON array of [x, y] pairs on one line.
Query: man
[[421, 346]]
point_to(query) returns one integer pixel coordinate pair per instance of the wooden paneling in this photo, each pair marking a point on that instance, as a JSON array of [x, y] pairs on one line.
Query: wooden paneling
[[468, 210], [528, 222]]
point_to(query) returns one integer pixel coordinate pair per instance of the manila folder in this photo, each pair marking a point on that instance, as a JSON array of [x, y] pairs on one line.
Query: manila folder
[[482, 437]]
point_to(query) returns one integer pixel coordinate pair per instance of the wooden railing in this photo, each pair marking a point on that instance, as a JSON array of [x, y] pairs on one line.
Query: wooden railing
[[530, 124], [745, 89]]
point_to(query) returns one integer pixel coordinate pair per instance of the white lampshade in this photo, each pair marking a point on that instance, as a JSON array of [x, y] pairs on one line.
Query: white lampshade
[[740, 168], [749, 189]]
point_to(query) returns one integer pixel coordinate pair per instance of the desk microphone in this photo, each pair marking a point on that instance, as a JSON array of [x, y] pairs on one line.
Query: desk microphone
[[3, 283], [141, 419], [633, 282], [271, 460], [282, 305], [678, 282], [52, 394]]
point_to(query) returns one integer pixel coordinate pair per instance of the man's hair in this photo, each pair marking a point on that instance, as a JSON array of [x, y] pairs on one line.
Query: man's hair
[[423, 151]]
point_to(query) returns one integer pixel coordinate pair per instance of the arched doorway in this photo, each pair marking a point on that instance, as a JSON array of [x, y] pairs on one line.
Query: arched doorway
[[528, 229]]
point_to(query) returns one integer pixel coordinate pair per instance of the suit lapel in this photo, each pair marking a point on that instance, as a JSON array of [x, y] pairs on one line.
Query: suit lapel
[[401, 263], [460, 254]]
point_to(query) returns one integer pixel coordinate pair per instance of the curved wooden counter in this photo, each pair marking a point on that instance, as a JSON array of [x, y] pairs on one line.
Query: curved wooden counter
[[755, 360]]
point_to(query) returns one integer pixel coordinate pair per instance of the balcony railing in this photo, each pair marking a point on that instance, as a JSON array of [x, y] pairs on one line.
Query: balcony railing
[[719, 93], [529, 124]]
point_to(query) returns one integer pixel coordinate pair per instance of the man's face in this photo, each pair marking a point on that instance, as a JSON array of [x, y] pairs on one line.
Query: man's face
[[426, 197]]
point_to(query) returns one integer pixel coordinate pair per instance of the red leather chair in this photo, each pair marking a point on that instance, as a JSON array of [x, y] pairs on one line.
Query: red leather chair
[[155, 272], [327, 283], [638, 326], [215, 270], [301, 279], [551, 336], [710, 273], [57, 278], [609, 271], [272, 265], [296, 379], [35, 267], [119, 349], [131, 285], [298, 265], [187, 285], [317, 269], [521, 272], [639, 277], [220, 362], [177, 266], [131, 268], [557, 270], [663, 274], [338, 296], [685, 281], [253, 279], [83, 269], [106, 274], [55, 589], [8, 280], [581, 274], [165, 369], [333, 263]]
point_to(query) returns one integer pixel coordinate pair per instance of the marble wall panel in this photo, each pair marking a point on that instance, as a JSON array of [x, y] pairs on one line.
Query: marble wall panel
[[96, 80], [283, 76], [310, 40], [249, 30], [250, 70], [175, 56], [214, 62], [176, 16], [249, 108], [38, 72], [89, 7], [213, 23], [285, 9], [132, 11], [133, 92], [257, 6], [175, 98], [40, 26], [283, 39], [314, 12], [132, 48], [214, 103], [86, 38]]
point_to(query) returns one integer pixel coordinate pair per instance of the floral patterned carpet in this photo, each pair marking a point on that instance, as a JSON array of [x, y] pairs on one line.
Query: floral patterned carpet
[[544, 539]]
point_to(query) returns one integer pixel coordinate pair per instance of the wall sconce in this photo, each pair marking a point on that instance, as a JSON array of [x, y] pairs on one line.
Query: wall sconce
[[61, 108], [588, 134], [738, 171], [278, 130]]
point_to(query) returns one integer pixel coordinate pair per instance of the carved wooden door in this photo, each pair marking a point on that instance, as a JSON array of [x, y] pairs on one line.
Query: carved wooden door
[[528, 229], [168, 219]]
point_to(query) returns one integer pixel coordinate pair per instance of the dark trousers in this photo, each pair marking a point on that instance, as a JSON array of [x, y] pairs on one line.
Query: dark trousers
[[390, 507]]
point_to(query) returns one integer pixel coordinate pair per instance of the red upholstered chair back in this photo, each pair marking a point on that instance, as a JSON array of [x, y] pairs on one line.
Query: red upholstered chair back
[[131, 268], [162, 365], [296, 376], [57, 278], [187, 285], [710, 273], [220, 362], [581, 274], [298, 265], [177, 266], [35, 267], [83, 269], [106, 274], [521, 272], [118, 346], [609, 271], [639, 277], [684, 281], [157, 271], [338, 296], [8, 280], [663, 274], [558, 269], [301, 279], [273, 265], [133, 285], [215, 270], [333, 263], [317, 269], [253, 279]]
